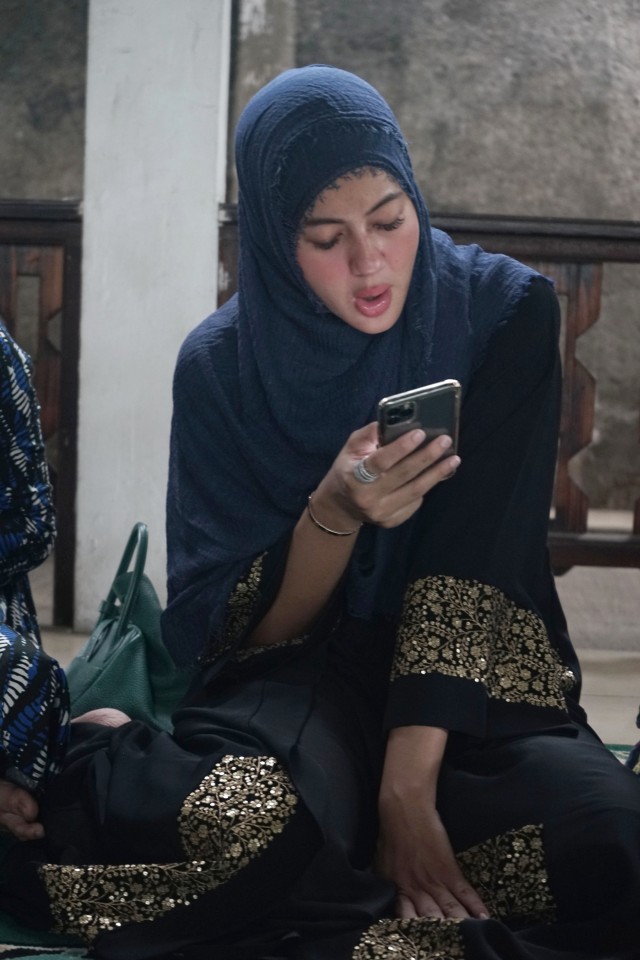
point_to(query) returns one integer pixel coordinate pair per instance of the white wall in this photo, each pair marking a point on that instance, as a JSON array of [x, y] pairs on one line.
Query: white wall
[[157, 94]]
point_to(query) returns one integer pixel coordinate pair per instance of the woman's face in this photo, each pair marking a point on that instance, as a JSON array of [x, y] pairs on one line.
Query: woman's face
[[357, 247]]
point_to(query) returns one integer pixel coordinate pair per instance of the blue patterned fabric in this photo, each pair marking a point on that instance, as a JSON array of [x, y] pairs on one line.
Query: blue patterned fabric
[[268, 389], [27, 521], [35, 712]]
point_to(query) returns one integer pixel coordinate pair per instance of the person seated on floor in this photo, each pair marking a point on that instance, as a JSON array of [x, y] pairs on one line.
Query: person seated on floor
[[385, 754]]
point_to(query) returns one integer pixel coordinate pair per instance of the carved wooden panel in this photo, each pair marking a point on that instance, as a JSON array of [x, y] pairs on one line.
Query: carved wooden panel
[[34, 326], [581, 284]]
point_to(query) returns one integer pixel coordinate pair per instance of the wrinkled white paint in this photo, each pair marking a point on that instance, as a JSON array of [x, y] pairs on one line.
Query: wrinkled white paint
[[155, 147], [253, 18]]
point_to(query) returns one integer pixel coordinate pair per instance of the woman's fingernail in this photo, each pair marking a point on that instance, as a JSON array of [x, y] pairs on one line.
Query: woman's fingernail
[[483, 916], [444, 441], [454, 463], [418, 436]]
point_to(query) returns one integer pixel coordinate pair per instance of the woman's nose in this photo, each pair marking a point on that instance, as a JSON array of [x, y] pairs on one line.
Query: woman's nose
[[365, 256]]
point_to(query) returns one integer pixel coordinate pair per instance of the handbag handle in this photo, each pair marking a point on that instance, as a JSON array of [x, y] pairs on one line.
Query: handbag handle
[[137, 543]]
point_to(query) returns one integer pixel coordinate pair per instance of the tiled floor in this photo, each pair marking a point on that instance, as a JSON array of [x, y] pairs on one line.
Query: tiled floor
[[602, 606], [611, 693]]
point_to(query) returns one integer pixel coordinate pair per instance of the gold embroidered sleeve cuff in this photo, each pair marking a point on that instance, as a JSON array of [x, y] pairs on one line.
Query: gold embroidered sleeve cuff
[[467, 655]]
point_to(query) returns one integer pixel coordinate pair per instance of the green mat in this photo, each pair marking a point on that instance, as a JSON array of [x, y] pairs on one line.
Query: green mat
[[620, 750], [19, 941]]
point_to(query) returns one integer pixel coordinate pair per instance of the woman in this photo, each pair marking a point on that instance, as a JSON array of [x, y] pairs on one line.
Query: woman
[[384, 754]]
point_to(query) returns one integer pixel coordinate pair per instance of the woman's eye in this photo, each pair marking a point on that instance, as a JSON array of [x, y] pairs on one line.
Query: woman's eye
[[393, 225], [325, 244]]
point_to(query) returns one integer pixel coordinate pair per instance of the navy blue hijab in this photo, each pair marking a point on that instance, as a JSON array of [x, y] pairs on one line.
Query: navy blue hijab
[[268, 389]]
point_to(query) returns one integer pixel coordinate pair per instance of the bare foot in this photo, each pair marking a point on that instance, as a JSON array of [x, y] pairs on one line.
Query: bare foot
[[19, 812], [105, 716]]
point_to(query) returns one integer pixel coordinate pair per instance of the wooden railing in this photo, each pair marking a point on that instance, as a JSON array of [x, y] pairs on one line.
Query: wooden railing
[[40, 263], [573, 253]]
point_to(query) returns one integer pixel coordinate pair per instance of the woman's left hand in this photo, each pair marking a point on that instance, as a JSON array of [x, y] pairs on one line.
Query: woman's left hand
[[413, 848], [414, 851]]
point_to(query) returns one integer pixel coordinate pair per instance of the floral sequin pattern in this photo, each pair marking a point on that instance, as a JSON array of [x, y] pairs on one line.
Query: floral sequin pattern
[[421, 939], [230, 819], [240, 608], [463, 628], [235, 813], [89, 900], [510, 874]]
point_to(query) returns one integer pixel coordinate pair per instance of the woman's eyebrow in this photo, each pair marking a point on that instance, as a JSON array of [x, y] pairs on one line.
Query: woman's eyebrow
[[386, 199], [320, 221]]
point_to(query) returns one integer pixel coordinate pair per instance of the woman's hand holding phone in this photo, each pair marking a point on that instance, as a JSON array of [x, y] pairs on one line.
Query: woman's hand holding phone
[[404, 469], [401, 473]]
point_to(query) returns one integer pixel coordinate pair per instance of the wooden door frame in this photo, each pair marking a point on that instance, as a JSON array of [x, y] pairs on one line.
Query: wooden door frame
[[58, 223]]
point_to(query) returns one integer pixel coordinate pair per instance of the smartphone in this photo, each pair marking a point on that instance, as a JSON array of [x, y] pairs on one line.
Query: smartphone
[[435, 408]]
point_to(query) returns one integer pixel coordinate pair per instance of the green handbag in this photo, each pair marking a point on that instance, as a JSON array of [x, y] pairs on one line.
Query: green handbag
[[124, 663]]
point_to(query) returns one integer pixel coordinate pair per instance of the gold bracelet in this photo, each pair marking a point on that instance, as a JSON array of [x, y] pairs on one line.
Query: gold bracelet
[[321, 526]]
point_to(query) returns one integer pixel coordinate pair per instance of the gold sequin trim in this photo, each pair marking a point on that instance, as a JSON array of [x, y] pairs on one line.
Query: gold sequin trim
[[245, 653], [422, 939], [462, 628], [229, 820], [240, 607], [510, 875], [509, 872], [89, 900], [236, 812]]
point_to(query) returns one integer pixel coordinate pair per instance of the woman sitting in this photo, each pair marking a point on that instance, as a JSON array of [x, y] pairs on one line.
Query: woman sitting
[[385, 755]]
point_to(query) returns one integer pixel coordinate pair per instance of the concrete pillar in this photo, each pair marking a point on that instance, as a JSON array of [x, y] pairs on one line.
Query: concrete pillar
[[157, 92]]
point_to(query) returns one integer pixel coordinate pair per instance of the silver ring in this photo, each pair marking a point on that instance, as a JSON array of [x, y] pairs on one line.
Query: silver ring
[[361, 473]]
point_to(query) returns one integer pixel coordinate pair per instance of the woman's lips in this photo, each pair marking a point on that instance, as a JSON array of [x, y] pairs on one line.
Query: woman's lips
[[373, 301]]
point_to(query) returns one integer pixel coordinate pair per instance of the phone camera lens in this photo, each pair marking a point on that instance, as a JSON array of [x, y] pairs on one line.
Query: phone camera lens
[[402, 413]]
